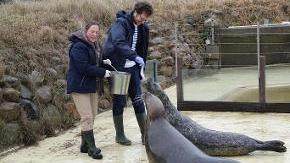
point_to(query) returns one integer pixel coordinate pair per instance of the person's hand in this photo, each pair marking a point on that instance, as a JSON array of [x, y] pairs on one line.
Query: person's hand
[[140, 61], [107, 74], [107, 62]]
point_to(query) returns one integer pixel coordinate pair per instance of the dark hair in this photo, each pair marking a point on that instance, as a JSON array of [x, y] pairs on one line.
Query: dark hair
[[89, 24], [143, 6]]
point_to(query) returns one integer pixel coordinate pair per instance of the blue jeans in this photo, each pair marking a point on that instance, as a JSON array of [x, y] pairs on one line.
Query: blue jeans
[[134, 91]]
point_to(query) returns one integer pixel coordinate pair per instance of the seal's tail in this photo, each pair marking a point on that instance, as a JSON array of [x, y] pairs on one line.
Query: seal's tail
[[274, 145]]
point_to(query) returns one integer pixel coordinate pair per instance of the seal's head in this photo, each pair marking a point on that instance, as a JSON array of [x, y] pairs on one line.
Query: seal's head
[[154, 106], [153, 87]]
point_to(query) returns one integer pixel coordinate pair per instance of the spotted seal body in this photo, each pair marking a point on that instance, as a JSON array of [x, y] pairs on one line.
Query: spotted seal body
[[164, 144], [212, 142]]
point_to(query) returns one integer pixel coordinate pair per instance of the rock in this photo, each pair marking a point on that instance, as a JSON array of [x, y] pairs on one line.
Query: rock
[[197, 62], [61, 83], [34, 125], [10, 81], [36, 77], [155, 55], [153, 33], [44, 95], [2, 84], [157, 40], [11, 95], [72, 110], [166, 70], [191, 20], [187, 60], [235, 13], [61, 87], [184, 47], [170, 45], [2, 71], [10, 111], [30, 109], [188, 27], [161, 78], [25, 81], [150, 49], [51, 73], [10, 135], [51, 115], [61, 69], [1, 95], [25, 93], [166, 83], [167, 61], [56, 60]]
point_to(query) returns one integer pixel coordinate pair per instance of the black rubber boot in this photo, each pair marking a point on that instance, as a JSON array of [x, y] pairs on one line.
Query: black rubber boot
[[141, 119], [119, 127], [84, 146], [93, 151]]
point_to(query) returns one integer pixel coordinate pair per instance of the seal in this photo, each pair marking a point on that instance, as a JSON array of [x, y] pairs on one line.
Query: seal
[[164, 144], [212, 142]]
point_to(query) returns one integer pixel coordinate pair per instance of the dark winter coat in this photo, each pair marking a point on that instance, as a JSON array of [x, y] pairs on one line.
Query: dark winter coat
[[84, 73], [118, 44]]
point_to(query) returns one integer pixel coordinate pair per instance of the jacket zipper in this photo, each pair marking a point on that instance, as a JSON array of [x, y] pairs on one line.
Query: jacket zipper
[[82, 81]]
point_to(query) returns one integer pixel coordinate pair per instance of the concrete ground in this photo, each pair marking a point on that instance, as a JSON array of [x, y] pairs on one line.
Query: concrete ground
[[65, 147]]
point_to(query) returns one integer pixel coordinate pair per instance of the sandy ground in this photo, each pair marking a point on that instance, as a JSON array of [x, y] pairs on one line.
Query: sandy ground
[[65, 147]]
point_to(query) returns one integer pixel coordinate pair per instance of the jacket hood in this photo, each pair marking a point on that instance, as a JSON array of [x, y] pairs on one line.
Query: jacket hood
[[126, 15], [78, 36]]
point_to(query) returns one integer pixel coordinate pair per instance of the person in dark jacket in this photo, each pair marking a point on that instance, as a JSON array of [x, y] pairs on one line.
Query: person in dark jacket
[[84, 77], [126, 46]]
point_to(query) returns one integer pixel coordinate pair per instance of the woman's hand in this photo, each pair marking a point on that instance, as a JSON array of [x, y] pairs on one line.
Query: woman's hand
[[107, 74], [107, 62]]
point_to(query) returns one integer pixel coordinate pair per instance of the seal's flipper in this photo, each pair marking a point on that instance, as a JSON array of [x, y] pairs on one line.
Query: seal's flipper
[[274, 145]]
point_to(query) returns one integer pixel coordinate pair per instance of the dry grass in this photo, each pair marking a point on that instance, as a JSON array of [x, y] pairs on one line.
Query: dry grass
[[38, 30]]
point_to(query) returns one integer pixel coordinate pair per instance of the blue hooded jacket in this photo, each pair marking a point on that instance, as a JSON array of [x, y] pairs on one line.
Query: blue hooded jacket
[[117, 47], [84, 74]]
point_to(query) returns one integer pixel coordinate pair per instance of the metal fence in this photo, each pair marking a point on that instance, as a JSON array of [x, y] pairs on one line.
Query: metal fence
[[257, 46]]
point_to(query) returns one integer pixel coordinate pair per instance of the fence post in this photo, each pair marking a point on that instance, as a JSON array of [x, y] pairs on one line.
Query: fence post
[[176, 46], [179, 84], [155, 78], [262, 81], [261, 70], [212, 32]]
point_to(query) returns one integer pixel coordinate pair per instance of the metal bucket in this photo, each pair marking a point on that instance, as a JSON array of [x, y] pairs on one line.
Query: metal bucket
[[120, 82]]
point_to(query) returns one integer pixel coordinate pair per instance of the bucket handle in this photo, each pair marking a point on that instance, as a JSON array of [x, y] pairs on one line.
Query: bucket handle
[[113, 67]]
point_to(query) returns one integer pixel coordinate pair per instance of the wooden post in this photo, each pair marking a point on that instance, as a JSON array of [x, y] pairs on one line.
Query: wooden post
[[179, 84], [212, 42], [258, 45], [176, 47], [261, 71], [155, 78], [262, 81]]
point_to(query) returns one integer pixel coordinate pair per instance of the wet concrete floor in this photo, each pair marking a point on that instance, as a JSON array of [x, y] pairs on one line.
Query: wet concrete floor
[[65, 147]]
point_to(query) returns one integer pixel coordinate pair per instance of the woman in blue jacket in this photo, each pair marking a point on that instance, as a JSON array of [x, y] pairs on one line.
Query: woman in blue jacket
[[84, 78]]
